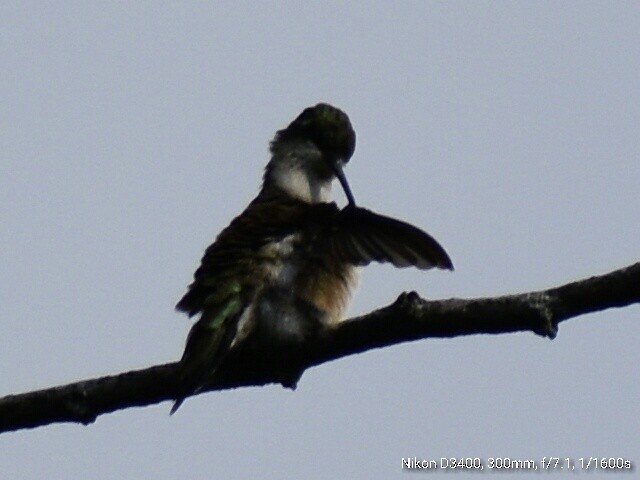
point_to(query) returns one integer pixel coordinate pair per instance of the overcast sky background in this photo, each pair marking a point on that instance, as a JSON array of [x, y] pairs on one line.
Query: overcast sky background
[[132, 132]]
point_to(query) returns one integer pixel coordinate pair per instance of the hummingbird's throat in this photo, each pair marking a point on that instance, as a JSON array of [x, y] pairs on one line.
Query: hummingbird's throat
[[304, 173], [301, 184]]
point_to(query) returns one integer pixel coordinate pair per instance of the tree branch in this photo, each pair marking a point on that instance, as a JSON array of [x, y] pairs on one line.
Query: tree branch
[[408, 318]]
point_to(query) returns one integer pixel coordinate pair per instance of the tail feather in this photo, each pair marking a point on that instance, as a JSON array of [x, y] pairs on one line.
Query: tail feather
[[208, 343]]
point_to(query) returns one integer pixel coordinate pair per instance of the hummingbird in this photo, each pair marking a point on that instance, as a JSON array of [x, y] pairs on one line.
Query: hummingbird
[[286, 265]]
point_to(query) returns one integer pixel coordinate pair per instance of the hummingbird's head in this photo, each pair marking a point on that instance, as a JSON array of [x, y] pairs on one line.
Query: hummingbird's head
[[311, 152]]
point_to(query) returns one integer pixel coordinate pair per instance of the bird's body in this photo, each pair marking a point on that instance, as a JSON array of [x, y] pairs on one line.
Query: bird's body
[[285, 266]]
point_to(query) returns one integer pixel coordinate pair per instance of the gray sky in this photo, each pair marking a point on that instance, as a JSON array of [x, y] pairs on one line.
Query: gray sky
[[132, 132]]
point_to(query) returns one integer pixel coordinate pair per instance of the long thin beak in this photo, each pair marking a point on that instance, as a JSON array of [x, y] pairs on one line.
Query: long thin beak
[[337, 167]]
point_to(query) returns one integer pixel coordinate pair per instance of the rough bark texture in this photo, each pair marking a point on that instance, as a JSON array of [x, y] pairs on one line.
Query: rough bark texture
[[408, 318]]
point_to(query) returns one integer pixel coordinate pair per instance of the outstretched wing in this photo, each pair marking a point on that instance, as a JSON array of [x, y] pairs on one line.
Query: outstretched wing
[[360, 236]]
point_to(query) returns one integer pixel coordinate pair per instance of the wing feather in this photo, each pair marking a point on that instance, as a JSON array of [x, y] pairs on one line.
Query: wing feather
[[361, 236]]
